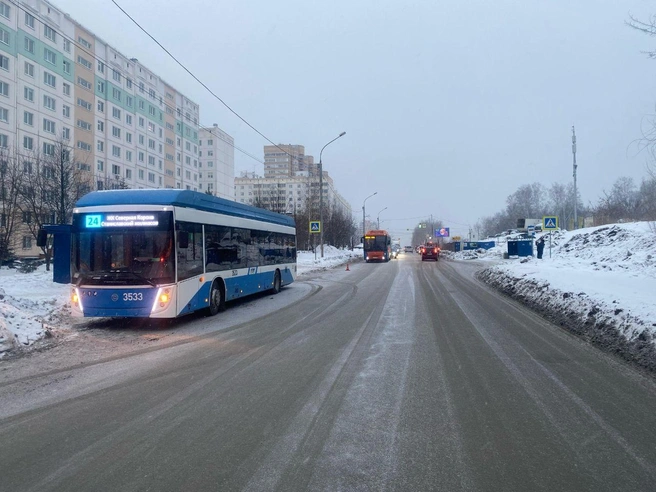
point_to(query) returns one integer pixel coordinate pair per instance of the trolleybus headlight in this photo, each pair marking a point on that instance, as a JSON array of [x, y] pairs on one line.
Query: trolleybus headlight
[[75, 299], [162, 299]]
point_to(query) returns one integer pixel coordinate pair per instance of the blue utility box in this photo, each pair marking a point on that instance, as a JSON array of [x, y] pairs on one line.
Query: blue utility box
[[520, 247]]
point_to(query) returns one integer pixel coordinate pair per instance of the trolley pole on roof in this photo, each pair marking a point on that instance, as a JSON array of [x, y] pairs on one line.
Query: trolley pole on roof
[[576, 219]]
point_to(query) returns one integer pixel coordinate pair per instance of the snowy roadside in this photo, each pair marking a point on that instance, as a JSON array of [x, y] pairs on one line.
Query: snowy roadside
[[598, 283], [34, 309]]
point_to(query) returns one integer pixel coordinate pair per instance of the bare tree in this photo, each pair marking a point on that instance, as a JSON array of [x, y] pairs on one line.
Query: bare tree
[[12, 177], [53, 181]]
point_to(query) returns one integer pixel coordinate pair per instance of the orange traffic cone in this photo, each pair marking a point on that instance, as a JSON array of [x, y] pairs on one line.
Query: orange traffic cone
[[347, 268]]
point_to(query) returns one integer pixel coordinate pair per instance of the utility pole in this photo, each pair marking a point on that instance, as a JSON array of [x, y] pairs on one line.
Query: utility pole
[[576, 219]]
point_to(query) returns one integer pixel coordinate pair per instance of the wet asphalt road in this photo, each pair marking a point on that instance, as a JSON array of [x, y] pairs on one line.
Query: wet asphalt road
[[407, 375]]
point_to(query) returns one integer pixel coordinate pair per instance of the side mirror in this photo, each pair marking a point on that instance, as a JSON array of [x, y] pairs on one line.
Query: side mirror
[[42, 238], [183, 240]]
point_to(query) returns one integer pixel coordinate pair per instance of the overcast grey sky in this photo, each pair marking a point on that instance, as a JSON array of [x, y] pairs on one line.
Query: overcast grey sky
[[449, 106]]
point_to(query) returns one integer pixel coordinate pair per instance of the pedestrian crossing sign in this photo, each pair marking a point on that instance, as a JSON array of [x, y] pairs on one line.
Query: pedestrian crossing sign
[[549, 223], [315, 227]]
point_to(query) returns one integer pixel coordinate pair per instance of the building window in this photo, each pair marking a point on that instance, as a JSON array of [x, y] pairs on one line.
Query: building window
[[151, 127], [116, 151], [28, 143], [83, 146], [66, 111], [116, 93], [101, 147], [141, 157], [29, 69], [101, 126], [151, 177], [128, 137], [128, 174], [29, 45], [84, 62], [101, 87], [4, 89], [101, 67], [141, 122], [49, 56], [100, 166], [4, 62], [84, 104], [128, 119], [116, 131], [4, 141], [116, 75], [141, 139], [49, 103], [128, 101], [49, 33], [67, 45], [116, 169], [151, 143], [84, 42], [4, 36], [84, 83], [128, 155], [66, 133], [48, 126], [4, 115], [116, 113], [66, 66], [28, 93], [101, 106], [29, 20], [66, 88], [48, 148], [49, 79], [128, 83], [27, 242], [85, 125]]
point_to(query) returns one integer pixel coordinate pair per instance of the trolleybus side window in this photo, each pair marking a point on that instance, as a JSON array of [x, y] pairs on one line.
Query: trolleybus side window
[[190, 259], [220, 252]]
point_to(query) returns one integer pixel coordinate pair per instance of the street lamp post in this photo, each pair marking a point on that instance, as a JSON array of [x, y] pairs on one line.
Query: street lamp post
[[378, 217], [321, 189], [363, 219]]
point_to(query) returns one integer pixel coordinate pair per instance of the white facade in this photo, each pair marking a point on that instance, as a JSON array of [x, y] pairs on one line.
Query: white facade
[[216, 162]]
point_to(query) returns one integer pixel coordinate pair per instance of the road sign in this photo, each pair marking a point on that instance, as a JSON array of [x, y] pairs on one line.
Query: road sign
[[549, 223], [315, 227]]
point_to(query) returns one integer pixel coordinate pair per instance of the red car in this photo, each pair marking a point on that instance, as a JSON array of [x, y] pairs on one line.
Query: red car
[[430, 251]]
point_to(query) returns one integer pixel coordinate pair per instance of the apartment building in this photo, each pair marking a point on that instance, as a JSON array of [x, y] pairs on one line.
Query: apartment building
[[282, 161], [290, 183], [61, 83], [216, 162]]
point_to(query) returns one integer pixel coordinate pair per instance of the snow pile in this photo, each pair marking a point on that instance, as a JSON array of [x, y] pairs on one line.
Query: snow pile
[[309, 262], [599, 283], [29, 304]]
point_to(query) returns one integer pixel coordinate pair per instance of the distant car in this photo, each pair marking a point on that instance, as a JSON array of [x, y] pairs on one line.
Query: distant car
[[408, 249], [430, 251], [395, 251]]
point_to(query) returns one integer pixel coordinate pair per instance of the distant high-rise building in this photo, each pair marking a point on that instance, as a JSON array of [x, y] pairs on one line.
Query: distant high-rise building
[[216, 162], [286, 161]]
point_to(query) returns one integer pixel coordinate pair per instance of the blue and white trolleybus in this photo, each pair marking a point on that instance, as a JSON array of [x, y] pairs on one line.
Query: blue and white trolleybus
[[165, 253]]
